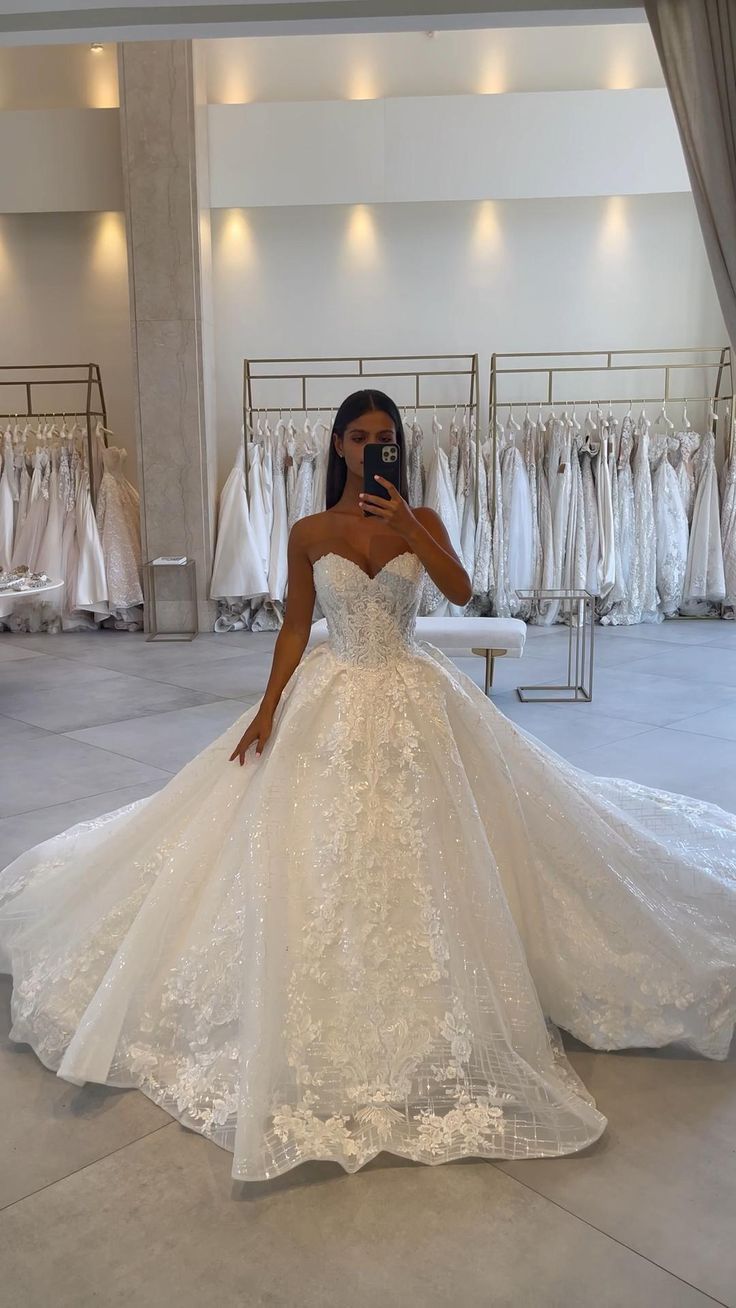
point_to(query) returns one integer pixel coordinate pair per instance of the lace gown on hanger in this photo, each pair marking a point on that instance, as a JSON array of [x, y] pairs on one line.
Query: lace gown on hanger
[[118, 519], [728, 528], [671, 530], [704, 575], [352, 944], [7, 504]]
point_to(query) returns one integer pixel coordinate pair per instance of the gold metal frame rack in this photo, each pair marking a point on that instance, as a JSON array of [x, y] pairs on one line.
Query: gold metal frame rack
[[303, 374], [709, 359], [88, 375]]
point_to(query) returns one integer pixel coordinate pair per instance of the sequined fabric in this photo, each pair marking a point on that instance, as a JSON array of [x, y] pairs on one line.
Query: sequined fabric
[[365, 940]]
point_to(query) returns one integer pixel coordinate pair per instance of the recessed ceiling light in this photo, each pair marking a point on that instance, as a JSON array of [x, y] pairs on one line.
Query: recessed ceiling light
[[96, 47]]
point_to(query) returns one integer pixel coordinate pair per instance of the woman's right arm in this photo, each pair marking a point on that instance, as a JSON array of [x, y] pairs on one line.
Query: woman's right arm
[[290, 644]]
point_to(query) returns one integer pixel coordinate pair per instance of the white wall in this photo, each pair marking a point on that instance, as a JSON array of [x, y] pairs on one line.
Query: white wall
[[616, 273], [64, 299], [486, 62]]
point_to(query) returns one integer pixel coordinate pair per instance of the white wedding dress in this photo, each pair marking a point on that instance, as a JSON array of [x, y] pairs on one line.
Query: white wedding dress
[[363, 940]]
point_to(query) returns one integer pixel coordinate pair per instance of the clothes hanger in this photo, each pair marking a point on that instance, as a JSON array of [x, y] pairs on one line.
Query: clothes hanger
[[511, 421], [686, 423], [663, 419]]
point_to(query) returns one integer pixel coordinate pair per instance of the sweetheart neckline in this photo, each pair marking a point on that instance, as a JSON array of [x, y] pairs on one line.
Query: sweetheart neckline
[[333, 554]]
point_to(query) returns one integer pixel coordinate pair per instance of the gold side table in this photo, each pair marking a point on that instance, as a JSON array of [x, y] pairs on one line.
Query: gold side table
[[580, 608]]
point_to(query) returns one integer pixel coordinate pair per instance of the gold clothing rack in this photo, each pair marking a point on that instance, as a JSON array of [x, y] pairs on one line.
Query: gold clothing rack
[[313, 384], [86, 375], [610, 367]]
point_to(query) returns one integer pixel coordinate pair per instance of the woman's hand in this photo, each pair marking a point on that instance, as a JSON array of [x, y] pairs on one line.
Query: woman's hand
[[394, 511], [259, 729]]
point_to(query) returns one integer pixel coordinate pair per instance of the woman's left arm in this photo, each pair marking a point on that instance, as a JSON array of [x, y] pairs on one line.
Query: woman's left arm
[[425, 533]]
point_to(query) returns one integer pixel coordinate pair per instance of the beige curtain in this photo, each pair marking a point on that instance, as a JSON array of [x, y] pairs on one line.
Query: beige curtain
[[696, 43]]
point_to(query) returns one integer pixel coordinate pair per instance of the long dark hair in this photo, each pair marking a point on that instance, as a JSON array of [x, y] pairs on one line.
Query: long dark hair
[[354, 407]]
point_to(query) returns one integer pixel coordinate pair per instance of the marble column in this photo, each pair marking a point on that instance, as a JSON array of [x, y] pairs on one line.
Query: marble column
[[163, 116]]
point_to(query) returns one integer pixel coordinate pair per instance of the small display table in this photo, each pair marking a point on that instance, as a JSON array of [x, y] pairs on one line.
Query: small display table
[[579, 605]]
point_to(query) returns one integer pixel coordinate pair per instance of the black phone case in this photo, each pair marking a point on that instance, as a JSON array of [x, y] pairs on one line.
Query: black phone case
[[385, 460]]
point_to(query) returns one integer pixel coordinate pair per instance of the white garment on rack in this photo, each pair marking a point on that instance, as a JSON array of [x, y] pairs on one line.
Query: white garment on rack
[[440, 496], [518, 529], [321, 440], [592, 533], [48, 558], [28, 538], [604, 500], [238, 570], [118, 519], [256, 503], [91, 583], [304, 490], [465, 500], [688, 442], [704, 575], [671, 530], [7, 504], [643, 590], [416, 469], [621, 613], [529, 454], [482, 575], [728, 527], [278, 567], [576, 550]]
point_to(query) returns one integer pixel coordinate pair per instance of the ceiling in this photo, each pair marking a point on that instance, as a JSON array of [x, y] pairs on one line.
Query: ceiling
[[30, 22]]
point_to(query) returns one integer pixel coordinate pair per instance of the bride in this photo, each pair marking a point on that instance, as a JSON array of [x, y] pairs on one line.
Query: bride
[[364, 934]]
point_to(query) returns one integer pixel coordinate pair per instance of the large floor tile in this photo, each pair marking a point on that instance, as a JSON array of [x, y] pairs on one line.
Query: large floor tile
[[52, 770], [696, 664], [642, 696], [551, 724], [12, 729], [685, 763], [49, 1128], [662, 1179], [130, 651], [160, 1222], [27, 829], [720, 722], [237, 678], [681, 631], [10, 651], [92, 696], [166, 740]]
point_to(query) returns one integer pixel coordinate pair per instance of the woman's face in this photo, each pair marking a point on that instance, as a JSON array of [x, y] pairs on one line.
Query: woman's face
[[373, 428]]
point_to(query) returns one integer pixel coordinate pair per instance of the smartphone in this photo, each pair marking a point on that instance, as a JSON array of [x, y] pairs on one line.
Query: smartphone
[[384, 460]]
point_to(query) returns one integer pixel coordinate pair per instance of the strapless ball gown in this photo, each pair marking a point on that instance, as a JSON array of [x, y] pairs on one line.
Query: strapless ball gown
[[367, 938]]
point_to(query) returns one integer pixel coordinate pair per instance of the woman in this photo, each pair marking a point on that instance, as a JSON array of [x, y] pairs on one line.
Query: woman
[[360, 936]]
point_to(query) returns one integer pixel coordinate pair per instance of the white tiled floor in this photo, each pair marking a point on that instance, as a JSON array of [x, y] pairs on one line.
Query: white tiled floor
[[105, 1200]]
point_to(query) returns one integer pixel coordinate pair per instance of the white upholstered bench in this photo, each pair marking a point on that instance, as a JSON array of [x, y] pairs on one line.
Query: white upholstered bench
[[490, 637]]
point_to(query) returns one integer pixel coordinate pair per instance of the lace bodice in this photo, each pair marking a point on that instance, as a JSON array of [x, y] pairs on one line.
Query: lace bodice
[[370, 620]]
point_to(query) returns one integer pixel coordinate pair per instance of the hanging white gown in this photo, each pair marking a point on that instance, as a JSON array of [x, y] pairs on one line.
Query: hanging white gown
[[378, 979], [118, 519], [644, 553], [48, 558], [688, 442], [278, 562], [28, 538], [704, 575], [416, 468], [90, 591], [321, 440], [545, 613], [257, 503], [604, 500], [7, 504], [592, 534], [671, 529], [728, 528], [482, 575], [465, 499], [23, 482], [576, 553], [304, 490], [621, 613], [440, 496], [291, 472], [529, 454], [518, 526], [238, 570]]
